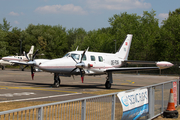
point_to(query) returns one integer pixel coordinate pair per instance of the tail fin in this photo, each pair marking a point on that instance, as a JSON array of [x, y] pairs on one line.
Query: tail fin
[[123, 51], [30, 53]]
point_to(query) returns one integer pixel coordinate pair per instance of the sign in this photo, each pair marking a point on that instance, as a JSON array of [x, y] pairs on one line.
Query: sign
[[175, 93], [134, 103]]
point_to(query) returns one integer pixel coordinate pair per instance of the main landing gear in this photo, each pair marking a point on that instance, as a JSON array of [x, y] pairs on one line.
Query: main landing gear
[[57, 80], [109, 80], [3, 67]]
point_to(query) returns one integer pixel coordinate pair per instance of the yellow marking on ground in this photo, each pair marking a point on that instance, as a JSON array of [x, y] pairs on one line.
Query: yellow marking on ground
[[124, 83], [32, 88], [2, 88], [14, 73], [128, 80], [103, 92]]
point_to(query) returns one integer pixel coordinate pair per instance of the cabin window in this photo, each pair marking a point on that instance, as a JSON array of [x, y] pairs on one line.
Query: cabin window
[[100, 58], [75, 56], [84, 57], [92, 58]]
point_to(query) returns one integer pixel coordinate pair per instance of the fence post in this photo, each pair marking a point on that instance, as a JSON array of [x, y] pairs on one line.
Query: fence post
[[40, 113], [83, 110], [162, 107], [177, 92], [151, 102], [113, 107]]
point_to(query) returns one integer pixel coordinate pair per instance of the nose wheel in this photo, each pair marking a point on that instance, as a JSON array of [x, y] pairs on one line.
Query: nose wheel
[[57, 80]]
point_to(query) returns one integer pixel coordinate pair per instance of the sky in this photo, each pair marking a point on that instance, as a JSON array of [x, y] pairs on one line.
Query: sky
[[87, 14]]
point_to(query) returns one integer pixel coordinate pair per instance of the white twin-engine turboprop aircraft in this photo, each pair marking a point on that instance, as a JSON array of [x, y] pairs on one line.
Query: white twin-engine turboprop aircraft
[[90, 63], [8, 60]]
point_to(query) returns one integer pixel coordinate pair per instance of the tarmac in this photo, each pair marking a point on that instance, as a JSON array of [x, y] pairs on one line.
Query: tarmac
[[16, 85]]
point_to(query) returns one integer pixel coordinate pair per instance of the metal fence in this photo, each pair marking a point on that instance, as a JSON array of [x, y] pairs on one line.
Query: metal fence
[[101, 107]]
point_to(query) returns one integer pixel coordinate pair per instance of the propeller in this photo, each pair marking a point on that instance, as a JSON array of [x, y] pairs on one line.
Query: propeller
[[80, 66], [30, 60]]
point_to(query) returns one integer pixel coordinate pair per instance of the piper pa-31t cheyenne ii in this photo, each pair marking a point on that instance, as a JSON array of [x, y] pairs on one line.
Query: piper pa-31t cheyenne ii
[[90, 63]]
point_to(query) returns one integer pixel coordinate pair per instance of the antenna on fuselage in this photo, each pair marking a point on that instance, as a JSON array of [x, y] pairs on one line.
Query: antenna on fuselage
[[77, 48]]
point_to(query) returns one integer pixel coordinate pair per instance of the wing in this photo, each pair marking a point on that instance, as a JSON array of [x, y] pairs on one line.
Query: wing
[[132, 69], [17, 62], [159, 65], [140, 62], [22, 63]]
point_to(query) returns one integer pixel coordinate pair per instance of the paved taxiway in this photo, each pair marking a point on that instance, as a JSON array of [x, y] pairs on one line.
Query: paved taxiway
[[16, 85]]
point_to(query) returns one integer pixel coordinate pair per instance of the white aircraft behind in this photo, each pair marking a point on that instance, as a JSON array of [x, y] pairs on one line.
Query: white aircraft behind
[[8, 60], [90, 63]]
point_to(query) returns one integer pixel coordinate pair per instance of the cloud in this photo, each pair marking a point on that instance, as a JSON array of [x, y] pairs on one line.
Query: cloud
[[61, 9], [14, 14], [117, 4], [163, 15], [16, 22]]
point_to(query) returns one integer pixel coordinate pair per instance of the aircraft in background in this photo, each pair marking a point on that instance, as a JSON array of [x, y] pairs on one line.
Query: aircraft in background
[[8, 60], [4, 63], [90, 63]]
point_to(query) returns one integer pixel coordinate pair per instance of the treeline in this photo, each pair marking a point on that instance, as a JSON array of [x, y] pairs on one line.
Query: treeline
[[150, 41]]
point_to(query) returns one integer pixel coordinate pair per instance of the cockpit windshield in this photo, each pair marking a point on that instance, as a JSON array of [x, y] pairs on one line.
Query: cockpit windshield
[[75, 56], [66, 55]]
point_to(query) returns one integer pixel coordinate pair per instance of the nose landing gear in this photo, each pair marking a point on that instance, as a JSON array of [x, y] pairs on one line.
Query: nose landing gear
[[57, 80]]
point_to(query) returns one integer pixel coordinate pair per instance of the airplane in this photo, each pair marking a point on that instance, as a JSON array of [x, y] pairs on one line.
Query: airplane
[[8, 60], [4, 63], [90, 63]]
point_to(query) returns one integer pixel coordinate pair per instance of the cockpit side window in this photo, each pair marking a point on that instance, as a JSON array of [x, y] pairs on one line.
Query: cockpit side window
[[100, 58], [75, 56]]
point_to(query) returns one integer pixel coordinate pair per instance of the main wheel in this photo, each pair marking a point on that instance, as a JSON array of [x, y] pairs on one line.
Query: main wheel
[[108, 85], [57, 83], [3, 67]]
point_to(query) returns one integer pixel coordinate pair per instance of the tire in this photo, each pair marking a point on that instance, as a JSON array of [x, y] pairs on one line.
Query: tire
[[108, 85], [56, 84], [3, 67]]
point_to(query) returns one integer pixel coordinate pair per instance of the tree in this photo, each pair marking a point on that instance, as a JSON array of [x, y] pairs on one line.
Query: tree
[[5, 26], [170, 35], [3, 44], [75, 35], [13, 39], [50, 40]]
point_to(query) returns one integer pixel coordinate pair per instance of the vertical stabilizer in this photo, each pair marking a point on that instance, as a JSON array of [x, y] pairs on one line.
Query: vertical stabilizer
[[123, 51], [31, 52]]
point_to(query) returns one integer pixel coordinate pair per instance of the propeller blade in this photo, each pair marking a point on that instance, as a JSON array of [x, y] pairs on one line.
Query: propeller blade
[[83, 55], [82, 76], [74, 59], [35, 54], [32, 73], [26, 56], [73, 70], [25, 67]]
